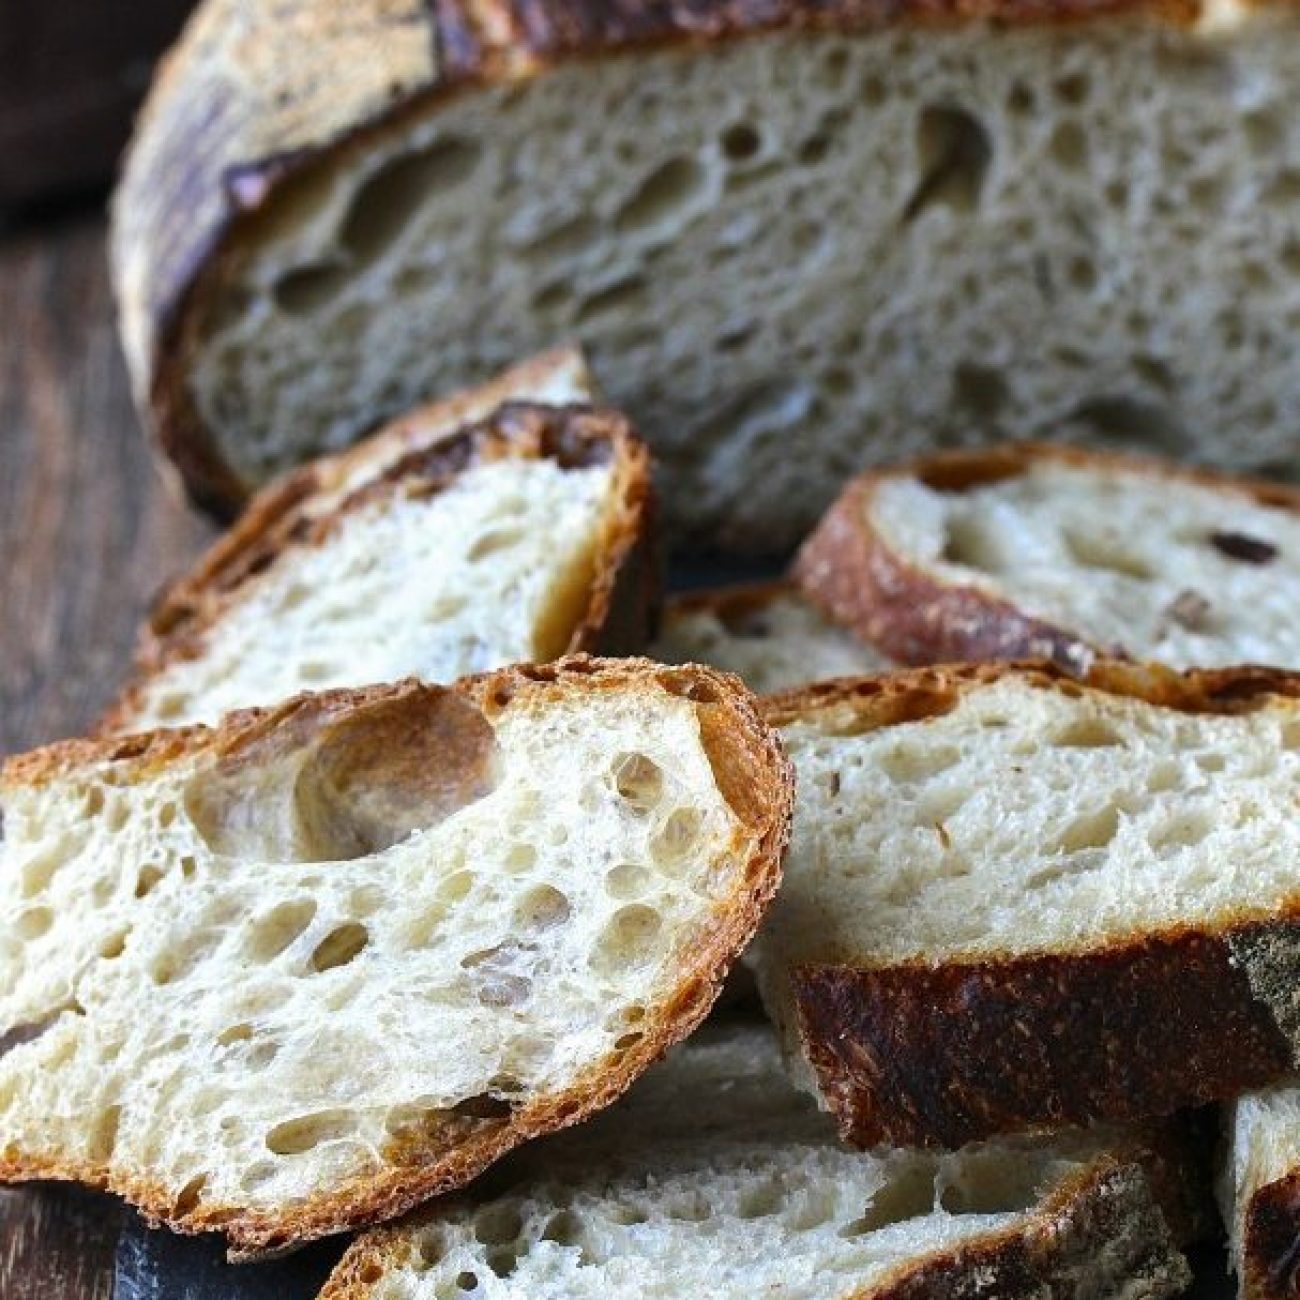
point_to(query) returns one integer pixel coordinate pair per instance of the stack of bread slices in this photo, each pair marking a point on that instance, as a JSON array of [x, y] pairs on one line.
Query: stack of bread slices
[[377, 898]]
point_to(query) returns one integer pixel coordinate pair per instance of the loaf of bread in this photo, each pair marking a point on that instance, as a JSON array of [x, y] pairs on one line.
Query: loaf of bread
[[435, 549], [767, 633], [301, 972], [713, 1177], [795, 236], [1016, 900], [1036, 550]]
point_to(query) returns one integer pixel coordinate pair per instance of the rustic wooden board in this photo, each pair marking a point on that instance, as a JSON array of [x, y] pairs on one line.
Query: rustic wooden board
[[87, 534]]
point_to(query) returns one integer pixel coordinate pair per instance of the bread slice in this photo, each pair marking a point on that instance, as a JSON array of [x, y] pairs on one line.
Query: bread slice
[[851, 228], [713, 1177], [767, 633], [299, 973], [1015, 900], [520, 537], [1036, 550]]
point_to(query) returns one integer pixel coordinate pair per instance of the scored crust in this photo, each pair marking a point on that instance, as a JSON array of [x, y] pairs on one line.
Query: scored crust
[[306, 508], [914, 1053], [753, 776], [240, 112], [1105, 1209], [915, 616]]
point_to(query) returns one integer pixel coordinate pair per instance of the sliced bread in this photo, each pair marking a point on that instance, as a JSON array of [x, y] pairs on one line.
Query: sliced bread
[[435, 550], [854, 229], [1016, 900], [299, 973], [767, 633], [1032, 550], [713, 1177]]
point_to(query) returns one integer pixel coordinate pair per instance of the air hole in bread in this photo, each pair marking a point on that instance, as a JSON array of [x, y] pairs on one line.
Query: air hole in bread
[[257, 1175], [625, 1042], [188, 1197], [384, 206], [296, 1136], [272, 933], [811, 1210], [467, 1281], [1105, 550], [1092, 830], [483, 1106], [167, 815], [342, 944], [38, 871], [498, 1225], [667, 192], [1125, 419], [979, 391], [627, 880], [112, 947], [32, 1030], [103, 1134], [499, 539], [430, 1248], [542, 907], [568, 236], [148, 876], [94, 804], [909, 1195], [741, 141], [985, 1184], [968, 541], [953, 156], [629, 938], [1185, 830], [503, 1261], [677, 839], [626, 293], [759, 1202], [306, 289], [1087, 733], [497, 976], [1069, 145], [907, 764], [33, 923], [639, 781]]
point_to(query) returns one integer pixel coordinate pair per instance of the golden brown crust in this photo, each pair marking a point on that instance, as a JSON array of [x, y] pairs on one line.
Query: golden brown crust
[[747, 758], [1270, 1243], [305, 509], [916, 616], [1105, 1211], [235, 121], [915, 1053]]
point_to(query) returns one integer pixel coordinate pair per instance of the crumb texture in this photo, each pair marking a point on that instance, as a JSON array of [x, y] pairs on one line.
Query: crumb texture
[[1128, 562], [867, 244], [714, 1176], [775, 642], [254, 979]]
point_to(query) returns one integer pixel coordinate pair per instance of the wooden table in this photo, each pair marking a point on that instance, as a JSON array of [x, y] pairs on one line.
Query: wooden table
[[88, 532]]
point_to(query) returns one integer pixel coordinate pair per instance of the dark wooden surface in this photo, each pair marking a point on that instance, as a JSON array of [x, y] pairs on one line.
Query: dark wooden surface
[[87, 534]]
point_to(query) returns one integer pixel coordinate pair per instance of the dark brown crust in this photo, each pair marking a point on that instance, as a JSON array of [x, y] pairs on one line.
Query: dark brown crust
[[746, 756], [1102, 1213], [1270, 1243], [915, 615], [1142, 1024], [480, 43], [287, 518]]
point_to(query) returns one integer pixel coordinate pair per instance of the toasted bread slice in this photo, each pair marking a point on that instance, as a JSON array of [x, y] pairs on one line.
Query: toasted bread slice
[[520, 537], [1015, 900], [298, 973], [714, 1177], [767, 633], [1039, 551]]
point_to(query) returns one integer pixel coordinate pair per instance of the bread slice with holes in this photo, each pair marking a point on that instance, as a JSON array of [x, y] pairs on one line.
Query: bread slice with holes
[[1031, 550], [767, 633], [856, 232], [437, 549], [299, 973], [714, 1177], [1016, 900]]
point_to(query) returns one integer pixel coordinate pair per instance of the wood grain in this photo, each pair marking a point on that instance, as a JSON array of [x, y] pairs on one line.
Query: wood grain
[[87, 533]]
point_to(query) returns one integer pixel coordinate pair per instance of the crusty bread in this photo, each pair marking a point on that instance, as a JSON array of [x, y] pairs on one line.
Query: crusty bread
[[714, 1178], [856, 229], [1015, 900], [766, 633], [301, 972], [518, 538], [1030, 550]]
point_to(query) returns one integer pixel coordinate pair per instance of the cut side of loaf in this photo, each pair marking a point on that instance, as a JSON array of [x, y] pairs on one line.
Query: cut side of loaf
[[1015, 900], [517, 538], [766, 633], [301, 972], [1030, 550], [713, 1177], [853, 229]]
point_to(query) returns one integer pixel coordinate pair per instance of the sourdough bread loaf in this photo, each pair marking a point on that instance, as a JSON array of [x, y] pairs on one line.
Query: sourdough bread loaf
[[713, 1177], [1036, 550], [301, 972], [1015, 899], [794, 236], [436, 549]]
